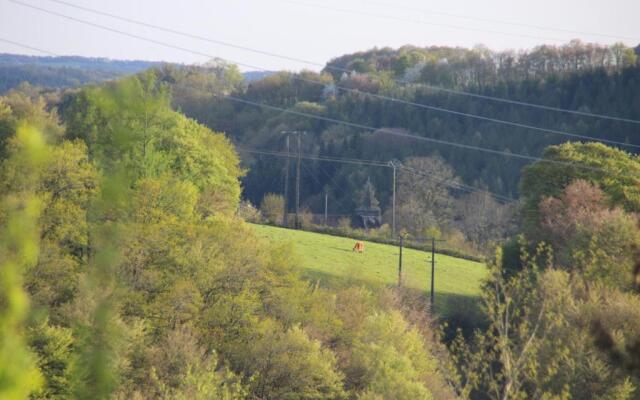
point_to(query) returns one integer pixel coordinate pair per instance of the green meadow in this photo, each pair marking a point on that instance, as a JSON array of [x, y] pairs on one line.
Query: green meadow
[[330, 260]]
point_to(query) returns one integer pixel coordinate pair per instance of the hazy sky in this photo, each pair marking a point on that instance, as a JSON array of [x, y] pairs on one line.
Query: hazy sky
[[314, 30]]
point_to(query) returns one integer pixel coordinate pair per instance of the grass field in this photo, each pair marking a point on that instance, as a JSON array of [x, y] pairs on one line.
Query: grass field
[[330, 259]]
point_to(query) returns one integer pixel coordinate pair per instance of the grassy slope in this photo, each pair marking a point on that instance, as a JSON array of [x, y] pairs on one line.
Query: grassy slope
[[330, 259]]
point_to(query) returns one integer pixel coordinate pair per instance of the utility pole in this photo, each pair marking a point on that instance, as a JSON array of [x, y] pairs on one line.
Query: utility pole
[[393, 223], [299, 160], [433, 271], [298, 184], [326, 206], [393, 165], [400, 261], [285, 219]]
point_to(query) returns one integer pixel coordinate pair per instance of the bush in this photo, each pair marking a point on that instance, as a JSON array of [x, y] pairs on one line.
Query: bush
[[432, 231], [249, 212], [466, 315], [344, 224], [272, 208], [305, 218], [384, 231]]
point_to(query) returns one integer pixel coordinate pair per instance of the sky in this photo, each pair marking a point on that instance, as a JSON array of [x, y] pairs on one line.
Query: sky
[[311, 30]]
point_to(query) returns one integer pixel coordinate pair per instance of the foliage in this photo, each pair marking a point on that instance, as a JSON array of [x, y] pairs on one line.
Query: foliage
[[578, 76], [539, 343], [288, 365], [53, 347], [129, 125], [586, 233], [146, 284], [616, 172], [272, 207], [305, 219], [249, 212], [483, 220], [67, 185], [389, 360], [20, 209], [424, 202]]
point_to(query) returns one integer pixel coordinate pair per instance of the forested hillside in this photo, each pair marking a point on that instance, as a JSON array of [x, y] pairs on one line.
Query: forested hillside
[[576, 77], [358, 90]]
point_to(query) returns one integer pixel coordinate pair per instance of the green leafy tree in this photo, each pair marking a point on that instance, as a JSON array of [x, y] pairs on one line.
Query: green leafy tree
[[53, 346], [272, 207], [540, 342], [389, 360], [20, 210], [289, 365], [424, 201], [615, 171], [68, 184], [587, 234], [129, 126]]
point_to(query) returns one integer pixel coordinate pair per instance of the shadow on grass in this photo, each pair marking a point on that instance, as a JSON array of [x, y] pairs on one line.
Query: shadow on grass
[[341, 249], [462, 312], [448, 306]]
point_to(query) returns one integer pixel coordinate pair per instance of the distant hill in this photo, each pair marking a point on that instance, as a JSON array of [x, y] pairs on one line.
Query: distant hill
[[72, 71], [76, 62], [62, 72], [51, 77], [251, 76]]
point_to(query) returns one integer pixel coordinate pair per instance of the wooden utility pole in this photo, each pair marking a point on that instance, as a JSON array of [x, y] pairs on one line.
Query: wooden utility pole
[[393, 212], [285, 219], [326, 207], [298, 184], [400, 261], [393, 164], [433, 271]]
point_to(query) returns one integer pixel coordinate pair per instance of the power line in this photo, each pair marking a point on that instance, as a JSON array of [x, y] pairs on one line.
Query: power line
[[446, 182], [338, 69], [334, 187], [29, 47], [382, 97], [315, 178], [412, 136], [307, 115], [417, 21], [317, 158], [458, 185], [491, 20]]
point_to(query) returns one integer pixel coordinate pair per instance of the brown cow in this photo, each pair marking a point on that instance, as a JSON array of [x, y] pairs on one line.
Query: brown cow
[[359, 247]]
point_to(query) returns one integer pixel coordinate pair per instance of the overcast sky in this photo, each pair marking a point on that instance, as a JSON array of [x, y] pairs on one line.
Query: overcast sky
[[313, 30]]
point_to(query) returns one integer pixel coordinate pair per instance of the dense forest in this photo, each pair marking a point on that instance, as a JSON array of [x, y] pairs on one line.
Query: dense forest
[[128, 271], [356, 88]]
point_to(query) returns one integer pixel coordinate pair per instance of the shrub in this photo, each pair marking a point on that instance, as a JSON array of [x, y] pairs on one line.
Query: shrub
[[344, 224], [249, 212], [305, 218], [272, 208]]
